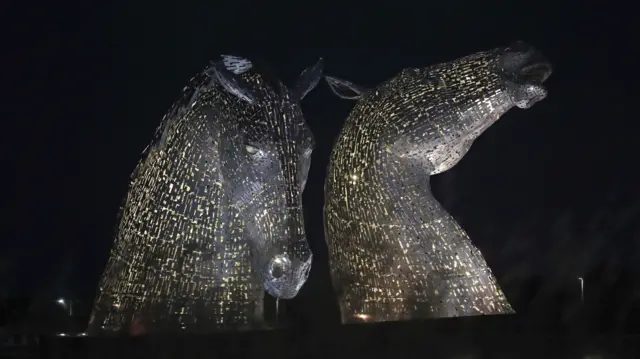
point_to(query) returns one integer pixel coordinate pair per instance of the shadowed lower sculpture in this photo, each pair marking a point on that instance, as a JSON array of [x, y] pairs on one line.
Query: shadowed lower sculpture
[[213, 216], [395, 253]]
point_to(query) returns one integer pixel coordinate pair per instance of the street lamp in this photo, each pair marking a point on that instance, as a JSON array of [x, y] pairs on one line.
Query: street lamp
[[65, 305], [581, 289]]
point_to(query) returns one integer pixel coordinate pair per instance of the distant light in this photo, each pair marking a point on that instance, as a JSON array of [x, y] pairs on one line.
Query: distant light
[[82, 334], [361, 316], [62, 335], [60, 301]]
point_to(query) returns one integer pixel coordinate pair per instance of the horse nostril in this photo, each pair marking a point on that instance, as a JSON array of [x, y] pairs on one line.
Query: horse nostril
[[279, 267], [277, 271]]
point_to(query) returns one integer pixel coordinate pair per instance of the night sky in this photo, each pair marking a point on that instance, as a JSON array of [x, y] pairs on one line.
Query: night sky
[[547, 194]]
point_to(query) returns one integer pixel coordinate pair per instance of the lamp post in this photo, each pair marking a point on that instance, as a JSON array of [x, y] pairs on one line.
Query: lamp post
[[581, 289], [66, 305]]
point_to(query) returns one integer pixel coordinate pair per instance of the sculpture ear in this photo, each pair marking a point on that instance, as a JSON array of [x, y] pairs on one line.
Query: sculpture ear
[[236, 64], [308, 80], [345, 89], [223, 73]]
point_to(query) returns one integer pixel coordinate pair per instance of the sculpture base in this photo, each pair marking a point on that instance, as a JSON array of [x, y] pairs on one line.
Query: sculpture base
[[496, 336]]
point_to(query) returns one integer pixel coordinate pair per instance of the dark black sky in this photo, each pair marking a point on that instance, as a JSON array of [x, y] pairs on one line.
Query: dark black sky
[[548, 193]]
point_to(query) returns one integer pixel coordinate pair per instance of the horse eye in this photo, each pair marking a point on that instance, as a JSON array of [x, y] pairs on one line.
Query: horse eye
[[251, 150]]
